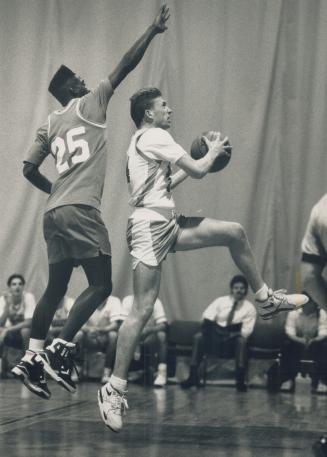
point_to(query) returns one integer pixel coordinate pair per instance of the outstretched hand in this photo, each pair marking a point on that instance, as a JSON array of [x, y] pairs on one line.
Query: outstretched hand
[[217, 144], [161, 20]]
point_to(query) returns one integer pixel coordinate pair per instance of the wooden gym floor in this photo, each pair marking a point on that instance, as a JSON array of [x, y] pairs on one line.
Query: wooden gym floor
[[210, 422]]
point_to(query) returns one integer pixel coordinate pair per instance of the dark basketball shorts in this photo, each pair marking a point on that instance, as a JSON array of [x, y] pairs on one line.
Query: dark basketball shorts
[[75, 232], [149, 241]]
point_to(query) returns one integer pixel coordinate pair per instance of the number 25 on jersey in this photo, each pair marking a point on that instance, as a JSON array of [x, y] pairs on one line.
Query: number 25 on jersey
[[72, 151]]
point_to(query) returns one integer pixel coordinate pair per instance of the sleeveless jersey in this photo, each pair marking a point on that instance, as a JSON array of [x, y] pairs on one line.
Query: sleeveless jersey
[[149, 157], [78, 146]]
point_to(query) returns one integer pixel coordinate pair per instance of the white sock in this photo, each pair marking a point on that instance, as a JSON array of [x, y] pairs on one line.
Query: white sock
[[36, 345], [118, 383], [162, 369], [28, 355], [262, 294]]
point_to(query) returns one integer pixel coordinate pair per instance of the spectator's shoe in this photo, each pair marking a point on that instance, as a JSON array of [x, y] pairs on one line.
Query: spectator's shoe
[[58, 363], [289, 385], [320, 447], [160, 381], [241, 387], [112, 406], [30, 372], [191, 381], [318, 388], [279, 301]]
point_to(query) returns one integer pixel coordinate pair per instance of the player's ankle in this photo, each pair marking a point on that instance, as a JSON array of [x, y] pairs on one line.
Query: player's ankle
[[36, 345], [262, 294], [118, 383]]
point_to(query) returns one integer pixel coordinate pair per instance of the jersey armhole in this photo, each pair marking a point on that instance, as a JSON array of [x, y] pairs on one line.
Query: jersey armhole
[[95, 124]]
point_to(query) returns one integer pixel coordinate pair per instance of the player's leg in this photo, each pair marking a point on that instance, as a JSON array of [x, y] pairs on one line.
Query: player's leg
[[30, 369], [59, 355], [199, 233], [111, 397], [314, 283], [110, 350], [98, 273]]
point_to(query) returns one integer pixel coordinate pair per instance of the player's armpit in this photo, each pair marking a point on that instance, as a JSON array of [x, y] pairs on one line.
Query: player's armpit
[[33, 175]]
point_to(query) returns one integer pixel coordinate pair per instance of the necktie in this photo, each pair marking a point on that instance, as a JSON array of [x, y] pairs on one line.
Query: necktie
[[231, 314]]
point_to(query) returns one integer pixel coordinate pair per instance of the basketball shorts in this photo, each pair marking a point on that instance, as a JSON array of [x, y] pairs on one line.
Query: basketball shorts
[[149, 241], [75, 232]]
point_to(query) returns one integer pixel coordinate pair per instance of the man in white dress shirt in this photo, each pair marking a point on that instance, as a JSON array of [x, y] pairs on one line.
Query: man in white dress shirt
[[227, 324]]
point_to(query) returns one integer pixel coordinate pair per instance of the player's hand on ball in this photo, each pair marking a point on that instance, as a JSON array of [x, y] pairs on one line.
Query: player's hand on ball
[[161, 20], [217, 145]]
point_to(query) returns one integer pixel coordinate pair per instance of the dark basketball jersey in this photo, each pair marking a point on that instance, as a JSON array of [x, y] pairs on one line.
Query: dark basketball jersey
[[75, 137]]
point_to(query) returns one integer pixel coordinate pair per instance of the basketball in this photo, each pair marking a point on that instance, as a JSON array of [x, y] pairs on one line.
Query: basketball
[[199, 150]]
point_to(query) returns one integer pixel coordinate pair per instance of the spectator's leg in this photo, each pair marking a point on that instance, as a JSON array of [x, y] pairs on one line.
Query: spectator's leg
[[290, 361], [161, 379], [318, 372], [25, 334], [149, 352], [241, 359], [197, 355]]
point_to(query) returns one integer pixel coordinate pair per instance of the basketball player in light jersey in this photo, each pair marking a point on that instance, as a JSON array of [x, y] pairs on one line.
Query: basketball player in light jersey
[[154, 229], [73, 228]]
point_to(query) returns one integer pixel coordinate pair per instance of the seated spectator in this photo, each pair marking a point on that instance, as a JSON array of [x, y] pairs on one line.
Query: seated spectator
[[16, 312], [227, 324], [306, 338], [101, 332], [153, 341]]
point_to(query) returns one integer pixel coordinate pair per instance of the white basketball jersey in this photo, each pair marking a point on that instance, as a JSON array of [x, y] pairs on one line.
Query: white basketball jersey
[[148, 169]]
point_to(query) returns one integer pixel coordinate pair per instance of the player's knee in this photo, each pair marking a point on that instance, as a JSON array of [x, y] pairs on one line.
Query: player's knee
[[237, 232]]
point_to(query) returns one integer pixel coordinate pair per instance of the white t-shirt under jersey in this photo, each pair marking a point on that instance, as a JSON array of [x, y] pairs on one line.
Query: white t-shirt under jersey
[[149, 157]]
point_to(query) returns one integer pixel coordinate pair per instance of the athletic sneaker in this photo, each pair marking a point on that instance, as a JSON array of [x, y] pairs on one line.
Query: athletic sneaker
[[279, 301], [160, 381], [31, 373], [112, 405], [58, 363]]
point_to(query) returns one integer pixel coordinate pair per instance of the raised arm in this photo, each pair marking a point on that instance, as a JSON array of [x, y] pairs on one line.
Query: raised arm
[[136, 52]]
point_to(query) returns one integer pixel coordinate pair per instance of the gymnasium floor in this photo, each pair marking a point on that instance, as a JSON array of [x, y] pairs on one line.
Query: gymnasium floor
[[210, 422]]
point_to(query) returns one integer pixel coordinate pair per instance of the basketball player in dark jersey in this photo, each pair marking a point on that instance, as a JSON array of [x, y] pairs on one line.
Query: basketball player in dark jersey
[[73, 229]]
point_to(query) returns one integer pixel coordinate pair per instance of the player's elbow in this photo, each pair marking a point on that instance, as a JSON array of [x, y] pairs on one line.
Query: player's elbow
[[197, 173], [28, 170]]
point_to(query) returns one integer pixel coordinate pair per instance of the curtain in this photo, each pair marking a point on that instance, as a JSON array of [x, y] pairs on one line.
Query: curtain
[[254, 69]]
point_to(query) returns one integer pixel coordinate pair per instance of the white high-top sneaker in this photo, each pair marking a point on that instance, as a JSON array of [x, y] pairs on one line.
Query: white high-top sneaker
[[112, 405]]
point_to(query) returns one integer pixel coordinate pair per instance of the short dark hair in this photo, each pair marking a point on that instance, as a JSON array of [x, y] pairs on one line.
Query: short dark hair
[[59, 79], [141, 101], [241, 279], [15, 276]]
